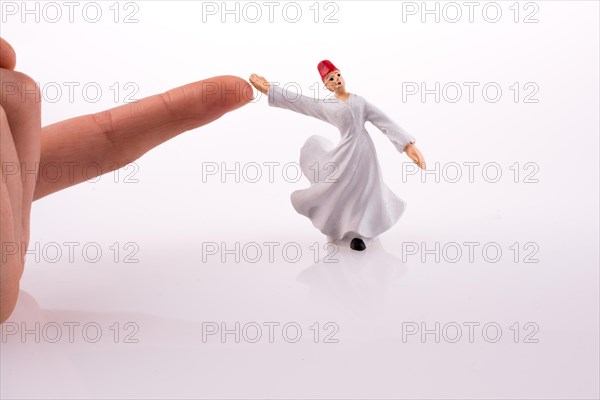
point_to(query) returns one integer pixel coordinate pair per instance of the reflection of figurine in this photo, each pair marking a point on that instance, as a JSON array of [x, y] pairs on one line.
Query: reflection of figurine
[[357, 283], [347, 198]]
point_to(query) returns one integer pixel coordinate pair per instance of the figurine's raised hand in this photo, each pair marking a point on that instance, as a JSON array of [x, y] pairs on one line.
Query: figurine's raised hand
[[414, 154], [109, 139], [260, 83]]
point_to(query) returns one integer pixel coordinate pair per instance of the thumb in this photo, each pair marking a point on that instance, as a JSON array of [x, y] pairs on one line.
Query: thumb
[[8, 57]]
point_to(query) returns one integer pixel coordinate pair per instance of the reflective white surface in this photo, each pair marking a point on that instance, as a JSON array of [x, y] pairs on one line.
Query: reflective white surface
[[159, 286], [373, 302]]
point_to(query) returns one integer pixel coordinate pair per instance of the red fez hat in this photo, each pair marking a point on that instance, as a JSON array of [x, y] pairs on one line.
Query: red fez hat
[[325, 67]]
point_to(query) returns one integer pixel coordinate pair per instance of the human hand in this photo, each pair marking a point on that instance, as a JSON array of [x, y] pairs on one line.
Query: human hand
[[110, 139], [414, 154], [260, 83]]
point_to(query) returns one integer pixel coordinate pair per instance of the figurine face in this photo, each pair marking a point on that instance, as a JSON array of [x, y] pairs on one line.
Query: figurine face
[[334, 81]]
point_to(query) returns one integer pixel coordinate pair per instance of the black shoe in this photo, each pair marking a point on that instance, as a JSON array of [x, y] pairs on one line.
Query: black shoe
[[357, 244]]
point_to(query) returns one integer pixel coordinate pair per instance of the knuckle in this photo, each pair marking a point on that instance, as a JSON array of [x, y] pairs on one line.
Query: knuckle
[[3, 117], [26, 86], [23, 77], [4, 126]]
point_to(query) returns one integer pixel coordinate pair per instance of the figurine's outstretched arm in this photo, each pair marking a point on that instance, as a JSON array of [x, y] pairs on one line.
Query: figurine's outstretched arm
[[397, 135], [283, 98], [290, 100]]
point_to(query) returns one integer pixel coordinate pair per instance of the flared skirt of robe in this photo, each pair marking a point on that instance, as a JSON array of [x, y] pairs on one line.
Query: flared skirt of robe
[[347, 197]]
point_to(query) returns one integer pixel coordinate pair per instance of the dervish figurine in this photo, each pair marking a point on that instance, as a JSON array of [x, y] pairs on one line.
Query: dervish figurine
[[347, 199]]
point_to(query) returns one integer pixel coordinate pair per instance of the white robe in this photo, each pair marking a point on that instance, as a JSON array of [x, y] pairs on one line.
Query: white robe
[[347, 197]]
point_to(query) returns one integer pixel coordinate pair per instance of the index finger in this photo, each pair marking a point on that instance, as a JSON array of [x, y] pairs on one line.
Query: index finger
[[116, 137]]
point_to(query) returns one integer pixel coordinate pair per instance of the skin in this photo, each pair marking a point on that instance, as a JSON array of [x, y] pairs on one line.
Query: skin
[[110, 139], [335, 83]]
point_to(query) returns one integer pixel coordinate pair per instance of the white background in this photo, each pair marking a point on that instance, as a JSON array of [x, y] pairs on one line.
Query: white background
[[170, 212]]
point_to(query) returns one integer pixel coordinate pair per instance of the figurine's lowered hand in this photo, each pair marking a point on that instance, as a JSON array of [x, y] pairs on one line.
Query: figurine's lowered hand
[[414, 154]]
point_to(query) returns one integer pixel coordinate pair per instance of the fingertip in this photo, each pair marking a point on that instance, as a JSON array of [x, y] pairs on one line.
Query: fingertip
[[8, 56], [235, 91], [201, 102]]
